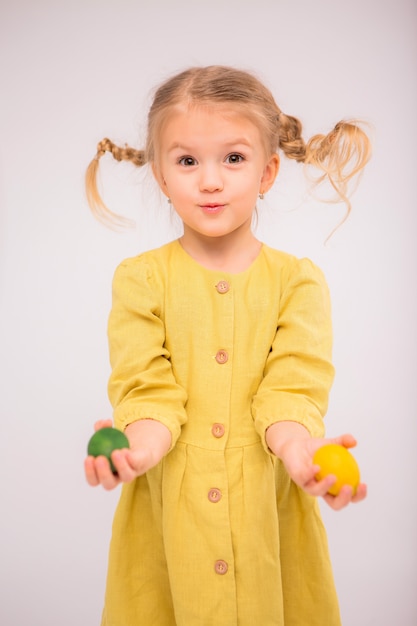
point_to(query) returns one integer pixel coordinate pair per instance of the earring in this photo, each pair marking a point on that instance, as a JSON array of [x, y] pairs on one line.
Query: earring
[[261, 196], [169, 201]]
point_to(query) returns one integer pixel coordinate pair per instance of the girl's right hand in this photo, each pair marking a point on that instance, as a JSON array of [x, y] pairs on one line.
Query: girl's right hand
[[149, 441]]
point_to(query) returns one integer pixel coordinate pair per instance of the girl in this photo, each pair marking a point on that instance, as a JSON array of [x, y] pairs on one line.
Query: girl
[[221, 368]]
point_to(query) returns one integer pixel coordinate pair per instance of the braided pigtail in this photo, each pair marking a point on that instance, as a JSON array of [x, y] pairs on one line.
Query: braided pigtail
[[95, 201], [290, 140], [338, 156]]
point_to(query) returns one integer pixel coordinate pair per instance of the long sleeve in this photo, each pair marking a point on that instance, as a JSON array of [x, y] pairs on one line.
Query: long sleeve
[[299, 373], [142, 384]]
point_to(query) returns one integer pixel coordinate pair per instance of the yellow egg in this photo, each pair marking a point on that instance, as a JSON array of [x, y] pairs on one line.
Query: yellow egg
[[337, 460]]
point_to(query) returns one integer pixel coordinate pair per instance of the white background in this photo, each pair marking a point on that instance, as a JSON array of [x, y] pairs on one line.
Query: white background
[[75, 72]]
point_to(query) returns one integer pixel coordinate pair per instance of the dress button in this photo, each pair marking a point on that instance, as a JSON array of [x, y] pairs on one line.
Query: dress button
[[214, 495], [221, 567], [217, 430], [223, 286], [221, 357]]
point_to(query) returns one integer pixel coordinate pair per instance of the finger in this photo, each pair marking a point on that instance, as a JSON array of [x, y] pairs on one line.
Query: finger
[[361, 493], [103, 424], [319, 488], [90, 471], [347, 440], [343, 498], [123, 465], [105, 476]]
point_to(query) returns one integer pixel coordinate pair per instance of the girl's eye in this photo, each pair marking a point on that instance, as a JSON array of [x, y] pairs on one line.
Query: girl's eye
[[234, 158], [187, 161]]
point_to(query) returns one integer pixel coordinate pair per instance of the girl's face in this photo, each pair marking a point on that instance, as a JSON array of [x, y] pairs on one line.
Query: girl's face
[[212, 165]]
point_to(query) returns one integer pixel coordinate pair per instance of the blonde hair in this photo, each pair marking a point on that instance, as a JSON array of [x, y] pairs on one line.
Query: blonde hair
[[338, 156]]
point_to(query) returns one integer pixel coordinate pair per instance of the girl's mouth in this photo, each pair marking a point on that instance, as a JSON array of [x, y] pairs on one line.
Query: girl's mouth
[[212, 208]]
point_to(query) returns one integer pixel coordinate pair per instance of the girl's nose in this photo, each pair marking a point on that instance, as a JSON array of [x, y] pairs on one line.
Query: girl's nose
[[210, 178]]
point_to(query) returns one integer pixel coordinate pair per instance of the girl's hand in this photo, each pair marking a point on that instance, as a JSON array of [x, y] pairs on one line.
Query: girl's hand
[[291, 443], [149, 442]]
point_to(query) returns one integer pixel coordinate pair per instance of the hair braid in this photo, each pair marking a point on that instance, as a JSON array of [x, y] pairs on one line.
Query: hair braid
[[137, 157], [339, 156], [290, 139], [100, 210]]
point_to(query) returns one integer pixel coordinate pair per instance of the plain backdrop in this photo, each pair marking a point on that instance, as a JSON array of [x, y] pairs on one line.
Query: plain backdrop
[[75, 72]]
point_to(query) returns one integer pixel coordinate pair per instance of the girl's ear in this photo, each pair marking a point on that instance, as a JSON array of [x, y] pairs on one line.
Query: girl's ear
[[270, 173], [160, 179]]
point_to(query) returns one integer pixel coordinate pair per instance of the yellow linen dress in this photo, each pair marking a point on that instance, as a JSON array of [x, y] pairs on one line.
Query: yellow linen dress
[[217, 533]]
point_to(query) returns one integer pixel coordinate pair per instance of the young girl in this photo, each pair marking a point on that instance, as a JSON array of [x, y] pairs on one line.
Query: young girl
[[220, 349]]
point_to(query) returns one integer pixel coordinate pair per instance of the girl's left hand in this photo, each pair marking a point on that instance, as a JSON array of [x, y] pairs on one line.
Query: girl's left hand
[[296, 451]]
